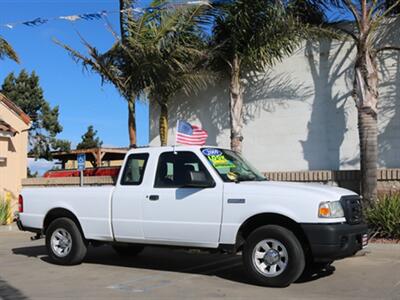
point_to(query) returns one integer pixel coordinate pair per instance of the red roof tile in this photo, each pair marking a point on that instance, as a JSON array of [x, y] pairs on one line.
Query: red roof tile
[[23, 116]]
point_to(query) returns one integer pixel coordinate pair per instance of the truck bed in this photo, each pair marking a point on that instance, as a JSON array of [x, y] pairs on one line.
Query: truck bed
[[91, 204]]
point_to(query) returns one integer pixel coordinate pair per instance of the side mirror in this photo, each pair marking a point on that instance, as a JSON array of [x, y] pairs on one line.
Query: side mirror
[[199, 180]]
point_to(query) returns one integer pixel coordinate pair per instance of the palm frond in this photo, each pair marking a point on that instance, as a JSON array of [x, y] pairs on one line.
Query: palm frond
[[261, 32], [6, 50], [101, 64]]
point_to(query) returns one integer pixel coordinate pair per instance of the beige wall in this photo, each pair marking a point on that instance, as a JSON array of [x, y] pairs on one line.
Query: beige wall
[[15, 150]]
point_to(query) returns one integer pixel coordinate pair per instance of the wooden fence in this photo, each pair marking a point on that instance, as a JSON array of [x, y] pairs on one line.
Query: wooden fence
[[326, 176]]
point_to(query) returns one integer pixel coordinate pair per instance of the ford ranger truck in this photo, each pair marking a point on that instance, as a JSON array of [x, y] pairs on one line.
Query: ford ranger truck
[[200, 197]]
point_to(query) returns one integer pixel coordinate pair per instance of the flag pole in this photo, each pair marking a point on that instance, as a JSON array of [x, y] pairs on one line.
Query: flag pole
[[176, 133]]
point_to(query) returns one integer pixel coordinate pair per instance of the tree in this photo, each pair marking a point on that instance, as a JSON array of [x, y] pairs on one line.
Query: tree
[[249, 36], [105, 65], [373, 22], [156, 55], [30, 174], [6, 50], [25, 91], [90, 140]]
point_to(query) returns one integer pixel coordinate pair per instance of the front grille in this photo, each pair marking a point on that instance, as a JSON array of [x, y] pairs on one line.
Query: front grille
[[352, 209]]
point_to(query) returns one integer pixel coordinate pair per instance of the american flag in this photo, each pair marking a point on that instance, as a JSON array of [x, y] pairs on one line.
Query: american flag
[[187, 134]]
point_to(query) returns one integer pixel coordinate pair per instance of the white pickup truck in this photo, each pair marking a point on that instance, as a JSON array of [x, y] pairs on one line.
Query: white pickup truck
[[199, 197]]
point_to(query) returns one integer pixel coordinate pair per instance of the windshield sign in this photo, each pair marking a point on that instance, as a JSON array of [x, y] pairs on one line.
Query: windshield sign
[[231, 166], [211, 151]]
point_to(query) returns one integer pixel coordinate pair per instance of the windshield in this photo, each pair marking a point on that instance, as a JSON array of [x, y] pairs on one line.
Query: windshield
[[231, 166]]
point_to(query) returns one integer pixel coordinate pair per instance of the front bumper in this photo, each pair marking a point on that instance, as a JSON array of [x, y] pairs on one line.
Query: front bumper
[[334, 241]]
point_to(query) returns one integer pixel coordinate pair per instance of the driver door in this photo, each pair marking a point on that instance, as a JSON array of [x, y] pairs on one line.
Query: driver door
[[180, 215]]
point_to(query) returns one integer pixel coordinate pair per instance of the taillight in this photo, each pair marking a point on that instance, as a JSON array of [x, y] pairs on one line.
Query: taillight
[[20, 204]]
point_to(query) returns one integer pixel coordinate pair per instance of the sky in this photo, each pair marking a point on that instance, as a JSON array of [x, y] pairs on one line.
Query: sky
[[82, 98]]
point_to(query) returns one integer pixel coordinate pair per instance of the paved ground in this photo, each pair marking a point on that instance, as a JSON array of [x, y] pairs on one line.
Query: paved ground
[[160, 273]]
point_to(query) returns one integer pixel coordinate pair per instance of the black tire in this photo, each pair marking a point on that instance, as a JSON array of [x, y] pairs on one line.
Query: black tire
[[78, 248], [128, 250], [294, 260]]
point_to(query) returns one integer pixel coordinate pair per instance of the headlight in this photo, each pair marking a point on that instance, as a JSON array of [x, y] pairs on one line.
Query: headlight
[[332, 209]]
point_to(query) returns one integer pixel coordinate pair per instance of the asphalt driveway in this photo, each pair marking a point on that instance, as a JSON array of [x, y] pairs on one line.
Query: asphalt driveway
[[161, 273]]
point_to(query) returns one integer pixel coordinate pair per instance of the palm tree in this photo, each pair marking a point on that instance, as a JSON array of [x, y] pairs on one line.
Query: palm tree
[[164, 51], [374, 21], [105, 65], [249, 36], [6, 50]]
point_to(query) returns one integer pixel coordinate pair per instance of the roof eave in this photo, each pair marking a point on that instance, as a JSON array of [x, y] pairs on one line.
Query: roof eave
[[18, 111]]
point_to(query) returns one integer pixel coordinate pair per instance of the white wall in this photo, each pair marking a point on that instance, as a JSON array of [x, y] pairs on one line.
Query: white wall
[[300, 115]]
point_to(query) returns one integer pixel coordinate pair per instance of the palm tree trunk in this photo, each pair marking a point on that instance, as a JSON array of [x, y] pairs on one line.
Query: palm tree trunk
[[368, 133], [123, 6], [163, 123], [366, 90], [132, 121], [236, 106]]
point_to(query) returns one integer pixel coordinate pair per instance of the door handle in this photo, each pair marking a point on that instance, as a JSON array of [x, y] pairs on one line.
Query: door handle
[[154, 197]]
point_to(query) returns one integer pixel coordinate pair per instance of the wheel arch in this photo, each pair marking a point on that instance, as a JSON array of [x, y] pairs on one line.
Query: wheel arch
[[60, 212], [262, 219]]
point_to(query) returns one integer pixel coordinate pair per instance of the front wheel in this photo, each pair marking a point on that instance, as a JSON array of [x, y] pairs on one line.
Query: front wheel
[[65, 243], [273, 256]]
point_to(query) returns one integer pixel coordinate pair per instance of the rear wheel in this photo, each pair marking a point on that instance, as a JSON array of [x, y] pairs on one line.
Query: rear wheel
[[128, 249], [65, 243], [273, 256]]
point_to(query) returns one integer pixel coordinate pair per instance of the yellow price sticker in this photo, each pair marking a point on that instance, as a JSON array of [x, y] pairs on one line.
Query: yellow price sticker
[[219, 161]]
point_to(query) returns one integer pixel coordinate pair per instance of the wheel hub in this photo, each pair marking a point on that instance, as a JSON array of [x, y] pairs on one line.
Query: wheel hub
[[61, 242], [271, 257]]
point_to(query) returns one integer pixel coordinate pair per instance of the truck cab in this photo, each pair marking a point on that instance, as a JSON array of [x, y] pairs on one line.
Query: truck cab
[[200, 197]]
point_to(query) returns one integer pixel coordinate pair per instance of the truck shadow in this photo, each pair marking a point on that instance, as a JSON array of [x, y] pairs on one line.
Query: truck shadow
[[8, 292], [197, 262]]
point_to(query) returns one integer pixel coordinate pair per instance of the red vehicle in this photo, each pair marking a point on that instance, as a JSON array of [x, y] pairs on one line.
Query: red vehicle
[[103, 171]]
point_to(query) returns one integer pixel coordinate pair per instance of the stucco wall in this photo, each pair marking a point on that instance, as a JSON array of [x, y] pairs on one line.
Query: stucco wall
[[300, 115], [15, 151]]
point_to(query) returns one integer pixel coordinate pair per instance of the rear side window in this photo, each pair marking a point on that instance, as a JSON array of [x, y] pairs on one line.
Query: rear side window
[[134, 169]]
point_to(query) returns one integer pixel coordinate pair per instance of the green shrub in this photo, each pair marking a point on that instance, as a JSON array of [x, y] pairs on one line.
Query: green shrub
[[5, 211], [384, 216]]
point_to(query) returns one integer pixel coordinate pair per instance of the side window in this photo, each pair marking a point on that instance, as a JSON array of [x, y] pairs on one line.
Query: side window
[[173, 169], [134, 169]]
